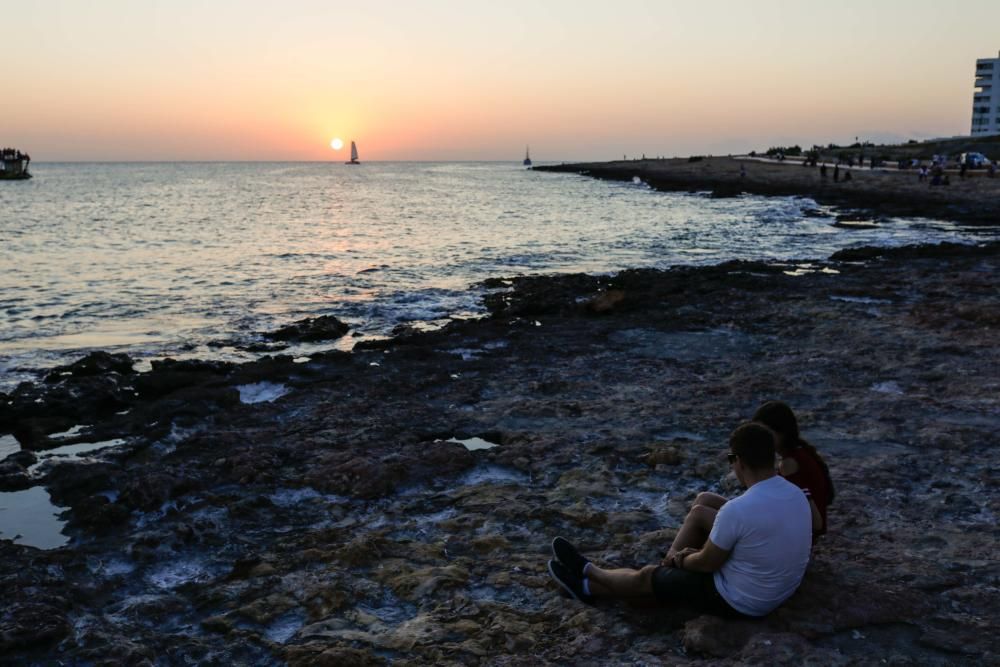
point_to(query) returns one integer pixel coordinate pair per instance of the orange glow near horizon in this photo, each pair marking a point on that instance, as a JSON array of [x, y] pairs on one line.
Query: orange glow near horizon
[[448, 80]]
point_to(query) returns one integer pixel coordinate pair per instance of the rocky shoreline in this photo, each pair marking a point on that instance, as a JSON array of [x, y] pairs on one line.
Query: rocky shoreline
[[338, 512], [975, 200]]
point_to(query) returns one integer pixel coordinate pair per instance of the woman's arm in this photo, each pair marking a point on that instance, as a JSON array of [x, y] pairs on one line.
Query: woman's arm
[[816, 516]]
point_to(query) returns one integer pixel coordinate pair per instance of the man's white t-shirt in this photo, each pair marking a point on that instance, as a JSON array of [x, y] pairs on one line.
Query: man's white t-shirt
[[768, 532]]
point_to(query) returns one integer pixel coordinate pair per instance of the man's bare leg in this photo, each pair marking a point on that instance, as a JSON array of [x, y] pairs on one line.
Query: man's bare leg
[[709, 499], [621, 583], [698, 523]]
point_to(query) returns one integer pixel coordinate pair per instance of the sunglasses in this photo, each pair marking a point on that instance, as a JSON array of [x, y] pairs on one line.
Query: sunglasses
[[732, 457]]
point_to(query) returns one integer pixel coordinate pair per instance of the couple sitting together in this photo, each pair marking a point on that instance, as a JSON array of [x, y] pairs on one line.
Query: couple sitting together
[[734, 558]]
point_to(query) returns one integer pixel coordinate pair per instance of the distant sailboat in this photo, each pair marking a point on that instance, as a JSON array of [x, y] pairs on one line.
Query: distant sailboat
[[354, 154], [527, 157]]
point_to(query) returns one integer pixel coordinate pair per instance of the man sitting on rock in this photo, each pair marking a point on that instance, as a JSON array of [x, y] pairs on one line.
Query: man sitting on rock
[[752, 561]]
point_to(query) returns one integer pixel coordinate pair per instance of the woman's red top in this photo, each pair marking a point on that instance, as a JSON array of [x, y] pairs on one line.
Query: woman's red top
[[811, 479]]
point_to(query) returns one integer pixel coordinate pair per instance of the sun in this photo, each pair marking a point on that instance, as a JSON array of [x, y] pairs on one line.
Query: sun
[[336, 144]]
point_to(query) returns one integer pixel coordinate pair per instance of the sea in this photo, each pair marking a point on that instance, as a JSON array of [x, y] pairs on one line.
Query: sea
[[197, 260]]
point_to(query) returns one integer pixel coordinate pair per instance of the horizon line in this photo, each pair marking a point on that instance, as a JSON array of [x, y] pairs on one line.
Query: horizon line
[[222, 161]]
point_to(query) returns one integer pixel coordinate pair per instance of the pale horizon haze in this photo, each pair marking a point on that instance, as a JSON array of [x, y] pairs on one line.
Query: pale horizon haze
[[253, 80]]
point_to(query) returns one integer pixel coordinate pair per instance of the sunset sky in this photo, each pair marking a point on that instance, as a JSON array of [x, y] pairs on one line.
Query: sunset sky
[[448, 80]]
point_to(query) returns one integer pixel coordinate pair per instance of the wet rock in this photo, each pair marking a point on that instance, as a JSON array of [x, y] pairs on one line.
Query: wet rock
[[536, 295], [102, 646], [69, 482], [170, 375], [95, 363], [38, 409], [670, 456], [243, 567], [149, 491], [788, 649], [31, 433], [98, 514], [220, 624], [606, 302], [198, 402], [318, 655], [371, 476], [261, 346], [714, 636], [310, 329], [22, 458], [423, 582], [930, 250], [31, 625], [14, 471]]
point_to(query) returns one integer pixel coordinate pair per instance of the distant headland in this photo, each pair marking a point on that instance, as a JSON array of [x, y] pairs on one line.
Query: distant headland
[[902, 182]]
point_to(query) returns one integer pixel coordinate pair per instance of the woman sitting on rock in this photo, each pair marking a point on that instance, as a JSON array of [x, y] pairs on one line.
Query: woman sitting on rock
[[800, 464]]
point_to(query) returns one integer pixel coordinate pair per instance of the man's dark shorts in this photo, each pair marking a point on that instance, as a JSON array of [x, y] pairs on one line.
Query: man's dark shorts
[[693, 589]]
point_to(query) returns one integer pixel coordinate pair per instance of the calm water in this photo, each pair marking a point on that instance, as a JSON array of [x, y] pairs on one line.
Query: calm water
[[160, 259]]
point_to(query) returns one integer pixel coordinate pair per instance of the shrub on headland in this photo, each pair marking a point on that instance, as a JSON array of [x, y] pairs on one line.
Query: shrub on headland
[[785, 150]]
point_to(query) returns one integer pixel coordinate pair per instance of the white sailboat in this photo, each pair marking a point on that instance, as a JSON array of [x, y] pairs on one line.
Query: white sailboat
[[354, 154]]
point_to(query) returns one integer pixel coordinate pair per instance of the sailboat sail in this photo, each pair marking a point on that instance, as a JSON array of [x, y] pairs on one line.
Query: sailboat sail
[[354, 154]]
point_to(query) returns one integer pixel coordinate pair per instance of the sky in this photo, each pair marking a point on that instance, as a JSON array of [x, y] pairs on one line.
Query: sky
[[480, 80]]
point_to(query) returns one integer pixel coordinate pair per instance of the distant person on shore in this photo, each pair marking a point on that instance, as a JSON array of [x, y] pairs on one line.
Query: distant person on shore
[[822, 171], [752, 559], [836, 173], [962, 170], [847, 176], [991, 170], [743, 172]]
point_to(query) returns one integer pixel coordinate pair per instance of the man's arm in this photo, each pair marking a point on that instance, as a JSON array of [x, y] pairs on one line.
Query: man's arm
[[709, 559]]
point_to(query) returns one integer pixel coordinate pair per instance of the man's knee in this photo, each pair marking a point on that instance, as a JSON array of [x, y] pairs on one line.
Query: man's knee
[[701, 515], [705, 499]]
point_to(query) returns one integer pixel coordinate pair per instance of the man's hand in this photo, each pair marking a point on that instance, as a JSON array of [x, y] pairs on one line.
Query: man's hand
[[678, 558], [709, 559]]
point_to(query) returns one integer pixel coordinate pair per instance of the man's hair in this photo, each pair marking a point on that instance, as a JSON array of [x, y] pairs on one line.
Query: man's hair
[[754, 444]]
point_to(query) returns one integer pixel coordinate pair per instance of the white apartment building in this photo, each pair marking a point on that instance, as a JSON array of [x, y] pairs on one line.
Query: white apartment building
[[986, 98]]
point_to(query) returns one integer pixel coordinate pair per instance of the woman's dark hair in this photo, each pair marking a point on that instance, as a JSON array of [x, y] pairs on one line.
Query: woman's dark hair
[[754, 443], [778, 417]]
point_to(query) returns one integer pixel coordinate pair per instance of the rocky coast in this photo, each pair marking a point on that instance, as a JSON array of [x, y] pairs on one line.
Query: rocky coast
[[880, 192], [395, 504]]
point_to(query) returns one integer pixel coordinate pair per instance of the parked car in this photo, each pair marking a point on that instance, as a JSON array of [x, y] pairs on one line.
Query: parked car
[[974, 160]]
